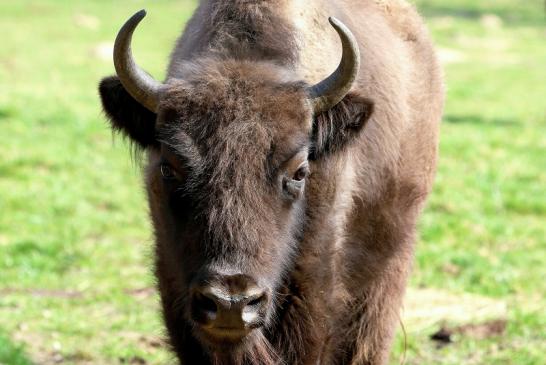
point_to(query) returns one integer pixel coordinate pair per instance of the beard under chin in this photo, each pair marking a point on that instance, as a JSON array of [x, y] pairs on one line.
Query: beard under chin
[[256, 350]]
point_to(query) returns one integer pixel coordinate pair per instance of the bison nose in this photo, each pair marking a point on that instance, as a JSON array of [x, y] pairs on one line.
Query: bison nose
[[229, 305]]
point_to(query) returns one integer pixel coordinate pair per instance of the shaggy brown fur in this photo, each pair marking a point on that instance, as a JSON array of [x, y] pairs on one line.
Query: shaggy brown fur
[[235, 123]]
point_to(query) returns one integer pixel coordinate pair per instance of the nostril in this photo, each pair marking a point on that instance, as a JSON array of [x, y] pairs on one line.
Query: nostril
[[256, 301], [253, 310], [205, 303], [204, 310]]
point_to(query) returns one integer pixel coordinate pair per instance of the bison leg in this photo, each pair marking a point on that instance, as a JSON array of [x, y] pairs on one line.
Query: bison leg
[[378, 254]]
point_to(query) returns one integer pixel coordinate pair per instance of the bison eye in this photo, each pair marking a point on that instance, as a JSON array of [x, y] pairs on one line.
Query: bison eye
[[301, 173], [167, 171], [293, 186]]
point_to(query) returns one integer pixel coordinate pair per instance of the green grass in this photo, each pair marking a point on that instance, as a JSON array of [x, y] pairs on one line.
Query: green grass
[[75, 242], [11, 354]]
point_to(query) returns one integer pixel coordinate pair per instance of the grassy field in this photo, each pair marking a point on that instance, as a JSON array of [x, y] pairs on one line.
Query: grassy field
[[75, 243]]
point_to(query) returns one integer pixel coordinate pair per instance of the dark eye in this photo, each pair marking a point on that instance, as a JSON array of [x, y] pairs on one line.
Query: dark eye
[[167, 171], [294, 186], [301, 173]]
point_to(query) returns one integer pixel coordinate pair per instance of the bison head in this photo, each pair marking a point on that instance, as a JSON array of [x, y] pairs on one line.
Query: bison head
[[230, 144]]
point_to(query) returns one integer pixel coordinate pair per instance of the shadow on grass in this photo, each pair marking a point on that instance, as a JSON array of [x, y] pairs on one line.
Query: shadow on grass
[[478, 119], [10, 353]]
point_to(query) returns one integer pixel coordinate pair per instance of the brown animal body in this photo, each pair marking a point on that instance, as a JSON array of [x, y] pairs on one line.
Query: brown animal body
[[285, 213]]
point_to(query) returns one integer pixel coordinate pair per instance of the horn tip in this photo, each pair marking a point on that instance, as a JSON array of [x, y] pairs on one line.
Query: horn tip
[[140, 14], [333, 21], [338, 25]]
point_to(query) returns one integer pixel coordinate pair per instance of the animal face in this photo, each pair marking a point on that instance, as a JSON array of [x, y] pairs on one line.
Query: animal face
[[226, 186]]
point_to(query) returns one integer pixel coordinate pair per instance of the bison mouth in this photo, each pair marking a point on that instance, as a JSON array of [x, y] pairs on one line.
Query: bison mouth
[[223, 337]]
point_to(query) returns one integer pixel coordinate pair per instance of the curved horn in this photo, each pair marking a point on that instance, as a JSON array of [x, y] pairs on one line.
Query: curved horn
[[333, 89], [136, 81]]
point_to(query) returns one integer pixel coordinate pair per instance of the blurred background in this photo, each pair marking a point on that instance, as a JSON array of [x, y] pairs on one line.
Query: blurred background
[[75, 242]]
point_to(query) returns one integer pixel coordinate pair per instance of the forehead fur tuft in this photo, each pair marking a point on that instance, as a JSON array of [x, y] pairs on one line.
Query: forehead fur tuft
[[225, 101], [252, 86]]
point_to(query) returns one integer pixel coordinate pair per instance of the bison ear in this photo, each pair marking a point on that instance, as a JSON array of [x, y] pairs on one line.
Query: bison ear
[[125, 114], [337, 127]]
